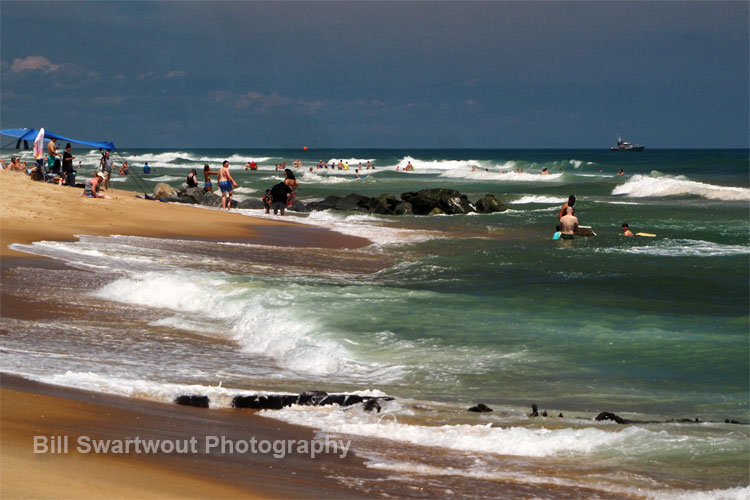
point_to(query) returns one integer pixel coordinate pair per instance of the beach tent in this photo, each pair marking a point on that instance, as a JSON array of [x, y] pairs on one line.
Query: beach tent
[[27, 135]]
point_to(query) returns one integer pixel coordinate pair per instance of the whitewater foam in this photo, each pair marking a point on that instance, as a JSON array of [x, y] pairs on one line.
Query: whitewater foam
[[656, 185]]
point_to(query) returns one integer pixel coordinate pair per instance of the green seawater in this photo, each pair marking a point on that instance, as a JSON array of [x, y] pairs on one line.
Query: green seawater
[[493, 308]]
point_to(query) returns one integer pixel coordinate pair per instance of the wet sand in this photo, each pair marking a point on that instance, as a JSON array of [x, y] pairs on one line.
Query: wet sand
[[34, 211], [33, 409]]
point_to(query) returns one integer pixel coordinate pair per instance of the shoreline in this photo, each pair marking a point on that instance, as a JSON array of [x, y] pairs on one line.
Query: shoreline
[[33, 211], [36, 409]]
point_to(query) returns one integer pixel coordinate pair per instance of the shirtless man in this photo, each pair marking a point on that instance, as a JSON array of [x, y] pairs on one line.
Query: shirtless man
[[626, 230], [226, 184], [53, 157], [568, 224]]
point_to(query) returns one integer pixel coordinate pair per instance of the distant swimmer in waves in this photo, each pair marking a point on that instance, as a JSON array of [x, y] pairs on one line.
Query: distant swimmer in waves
[[626, 230], [571, 201], [545, 171], [409, 167], [226, 184], [621, 173], [568, 224]]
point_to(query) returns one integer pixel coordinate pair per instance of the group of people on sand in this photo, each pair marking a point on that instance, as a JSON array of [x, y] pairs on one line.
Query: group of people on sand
[[568, 222]]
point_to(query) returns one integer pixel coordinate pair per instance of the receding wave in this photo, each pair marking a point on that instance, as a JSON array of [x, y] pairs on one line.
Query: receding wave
[[656, 186], [682, 248]]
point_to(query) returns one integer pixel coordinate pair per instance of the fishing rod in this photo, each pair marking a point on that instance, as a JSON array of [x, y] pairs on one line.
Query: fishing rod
[[138, 180]]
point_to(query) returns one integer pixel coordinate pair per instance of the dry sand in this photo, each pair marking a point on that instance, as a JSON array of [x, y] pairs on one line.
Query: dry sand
[[34, 211]]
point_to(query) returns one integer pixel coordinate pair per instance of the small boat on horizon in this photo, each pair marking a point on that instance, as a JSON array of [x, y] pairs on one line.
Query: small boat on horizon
[[626, 146]]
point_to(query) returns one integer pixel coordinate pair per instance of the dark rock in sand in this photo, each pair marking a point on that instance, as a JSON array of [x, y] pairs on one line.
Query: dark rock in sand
[[251, 204], [193, 195], [269, 402], [534, 411], [449, 201], [372, 405], [605, 415], [312, 398], [403, 208], [197, 401], [298, 206], [351, 203], [480, 408], [489, 204], [385, 204], [214, 200]]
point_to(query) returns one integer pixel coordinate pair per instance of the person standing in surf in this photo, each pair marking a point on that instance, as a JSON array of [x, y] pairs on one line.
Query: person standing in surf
[[571, 201], [568, 224], [291, 181], [226, 184]]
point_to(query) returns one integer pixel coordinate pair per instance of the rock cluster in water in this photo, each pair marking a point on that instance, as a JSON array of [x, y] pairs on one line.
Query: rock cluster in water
[[279, 401], [425, 202]]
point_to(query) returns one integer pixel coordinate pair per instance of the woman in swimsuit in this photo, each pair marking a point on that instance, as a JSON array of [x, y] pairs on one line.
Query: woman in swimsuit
[[291, 181], [207, 186]]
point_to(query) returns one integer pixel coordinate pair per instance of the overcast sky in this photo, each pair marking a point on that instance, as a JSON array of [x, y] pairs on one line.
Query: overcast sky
[[379, 74]]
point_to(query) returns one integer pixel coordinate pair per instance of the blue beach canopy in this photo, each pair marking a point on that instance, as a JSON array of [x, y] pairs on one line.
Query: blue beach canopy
[[29, 134]]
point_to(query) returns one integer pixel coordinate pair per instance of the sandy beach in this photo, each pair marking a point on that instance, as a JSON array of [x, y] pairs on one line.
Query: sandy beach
[[34, 211]]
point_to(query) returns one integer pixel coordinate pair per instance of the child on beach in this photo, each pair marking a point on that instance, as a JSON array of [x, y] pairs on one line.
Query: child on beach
[[267, 201]]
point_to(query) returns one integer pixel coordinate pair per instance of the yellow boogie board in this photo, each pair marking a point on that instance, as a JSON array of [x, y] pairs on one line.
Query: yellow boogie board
[[649, 235]]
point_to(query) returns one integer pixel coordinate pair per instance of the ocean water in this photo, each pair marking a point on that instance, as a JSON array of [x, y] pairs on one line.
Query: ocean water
[[443, 312]]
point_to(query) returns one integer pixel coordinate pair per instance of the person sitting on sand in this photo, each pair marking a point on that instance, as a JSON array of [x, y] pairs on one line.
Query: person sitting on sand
[[626, 230], [571, 201], [192, 179], [568, 224], [226, 184], [291, 181], [92, 186], [207, 186], [280, 196]]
